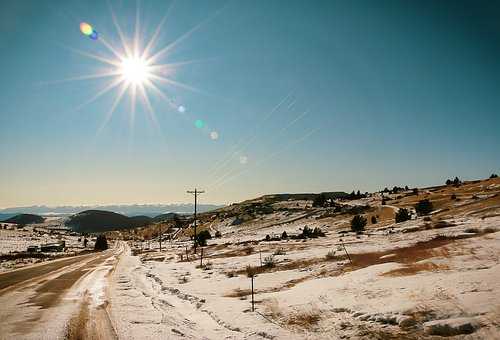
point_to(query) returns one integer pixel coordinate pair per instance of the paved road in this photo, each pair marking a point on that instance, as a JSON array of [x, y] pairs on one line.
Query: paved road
[[63, 299]]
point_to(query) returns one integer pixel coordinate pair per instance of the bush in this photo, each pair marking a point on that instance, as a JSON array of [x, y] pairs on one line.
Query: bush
[[319, 200], [374, 220], [311, 233], [284, 235], [280, 251], [494, 176], [402, 215], [424, 207], [202, 237], [101, 243], [358, 223], [269, 261], [330, 255], [251, 271], [218, 234]]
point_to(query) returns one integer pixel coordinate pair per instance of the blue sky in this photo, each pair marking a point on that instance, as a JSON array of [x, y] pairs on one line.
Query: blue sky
[[395, 93]]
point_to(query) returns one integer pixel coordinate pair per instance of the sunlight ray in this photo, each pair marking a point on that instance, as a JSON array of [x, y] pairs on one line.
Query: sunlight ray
[[175, 83], [109, 114], [93, 56], [111, 48], [83, 77], [152, 41], [137, 26], [183, 37], [106, 89], [149, 107], [161, 94], [119, 30]]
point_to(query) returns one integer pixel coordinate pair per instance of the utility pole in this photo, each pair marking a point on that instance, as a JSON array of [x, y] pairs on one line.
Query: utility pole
[[196, 192]]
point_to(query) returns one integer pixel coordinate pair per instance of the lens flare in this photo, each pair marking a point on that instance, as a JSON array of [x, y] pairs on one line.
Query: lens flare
[[214, 135], [86, 29], [181, 109], [199, 123]]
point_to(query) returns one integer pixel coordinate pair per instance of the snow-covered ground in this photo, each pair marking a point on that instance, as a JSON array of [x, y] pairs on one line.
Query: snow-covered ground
[[411, 282]]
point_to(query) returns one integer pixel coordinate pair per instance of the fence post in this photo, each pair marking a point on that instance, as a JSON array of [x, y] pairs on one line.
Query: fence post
[[253, 302]]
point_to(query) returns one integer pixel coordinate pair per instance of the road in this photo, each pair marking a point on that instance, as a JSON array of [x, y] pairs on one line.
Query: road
[[62, 299]]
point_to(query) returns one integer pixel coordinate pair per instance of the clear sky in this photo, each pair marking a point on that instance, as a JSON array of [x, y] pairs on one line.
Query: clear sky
[[305, 96]]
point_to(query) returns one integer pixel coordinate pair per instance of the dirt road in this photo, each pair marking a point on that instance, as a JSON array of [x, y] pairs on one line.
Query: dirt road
[[63, 299]]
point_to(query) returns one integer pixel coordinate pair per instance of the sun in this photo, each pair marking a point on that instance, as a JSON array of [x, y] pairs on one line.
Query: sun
[[135, 70]]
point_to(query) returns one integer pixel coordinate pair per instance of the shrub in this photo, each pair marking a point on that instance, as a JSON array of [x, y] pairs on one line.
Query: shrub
[[269, 261], [280, 251], [448, 182], [330, 255], [202, 237], [218, 234], [415, 191], [319, 200], [251, 271], [374, 220], [358, 223], [424, 207], [101, 243], [268, 238], [494, 176], [317, 232], [402, 215], [284, 235]]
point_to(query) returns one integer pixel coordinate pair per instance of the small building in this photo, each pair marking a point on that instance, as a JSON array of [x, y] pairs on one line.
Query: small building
[[53, 247], [33, 249]]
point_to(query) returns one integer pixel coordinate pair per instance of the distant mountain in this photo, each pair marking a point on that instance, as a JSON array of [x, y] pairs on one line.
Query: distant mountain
[[90, 221], [25, 219], [150, 210]]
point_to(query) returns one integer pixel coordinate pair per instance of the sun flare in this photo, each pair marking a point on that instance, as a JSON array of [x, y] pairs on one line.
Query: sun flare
[[135, 70]]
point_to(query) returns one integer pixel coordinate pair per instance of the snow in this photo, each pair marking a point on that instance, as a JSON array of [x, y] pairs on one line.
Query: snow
[[157, 295]]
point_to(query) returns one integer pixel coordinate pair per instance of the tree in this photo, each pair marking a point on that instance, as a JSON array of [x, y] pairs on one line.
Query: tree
[[284, 235], [448, 182], [319, 200], [202, 237], [101, 243], [424, 207], [358, 223], [456, 181], [374, 220], [494, 176], [402, 215]]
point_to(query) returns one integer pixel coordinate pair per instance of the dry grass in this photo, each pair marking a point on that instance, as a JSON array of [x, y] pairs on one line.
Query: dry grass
[[238, 292], [304, 319], [414, 268]]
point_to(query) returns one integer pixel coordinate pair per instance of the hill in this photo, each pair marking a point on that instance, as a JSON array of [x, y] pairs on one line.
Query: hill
[[164, 217], [99, 221], [25, 219]]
